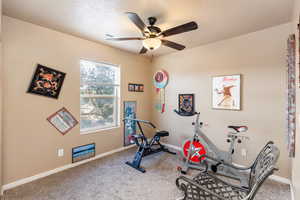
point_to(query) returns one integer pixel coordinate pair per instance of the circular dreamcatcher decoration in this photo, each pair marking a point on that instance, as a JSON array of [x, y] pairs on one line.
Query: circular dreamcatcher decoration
[[160, 79]]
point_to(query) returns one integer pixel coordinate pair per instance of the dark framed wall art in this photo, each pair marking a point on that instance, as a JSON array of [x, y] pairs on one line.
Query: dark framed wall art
[[46, 82], [186, 104]]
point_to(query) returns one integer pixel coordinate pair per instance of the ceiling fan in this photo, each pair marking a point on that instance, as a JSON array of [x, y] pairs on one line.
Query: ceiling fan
[[153, 36]]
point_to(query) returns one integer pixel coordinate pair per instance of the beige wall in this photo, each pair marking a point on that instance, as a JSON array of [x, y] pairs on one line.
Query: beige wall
[[30, 142], [260, 58], [296, 160]]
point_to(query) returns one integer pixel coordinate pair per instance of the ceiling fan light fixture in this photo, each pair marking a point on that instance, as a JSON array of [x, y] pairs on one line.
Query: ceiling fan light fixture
[[151, 43]]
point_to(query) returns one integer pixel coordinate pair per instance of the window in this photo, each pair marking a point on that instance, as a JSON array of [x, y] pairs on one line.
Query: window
[[99, 96]]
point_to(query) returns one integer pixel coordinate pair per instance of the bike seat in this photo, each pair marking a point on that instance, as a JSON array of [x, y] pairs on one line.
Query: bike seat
[[162, 133], [239, 128]]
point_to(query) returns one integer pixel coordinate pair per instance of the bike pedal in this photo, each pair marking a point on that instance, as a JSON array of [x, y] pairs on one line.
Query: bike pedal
[[183, 172]]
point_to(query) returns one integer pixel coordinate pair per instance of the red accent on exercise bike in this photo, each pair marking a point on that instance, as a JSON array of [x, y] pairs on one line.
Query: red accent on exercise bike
[[197, 151]]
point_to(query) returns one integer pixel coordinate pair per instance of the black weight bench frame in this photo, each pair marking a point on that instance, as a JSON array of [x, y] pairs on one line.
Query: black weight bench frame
[[146, 147]]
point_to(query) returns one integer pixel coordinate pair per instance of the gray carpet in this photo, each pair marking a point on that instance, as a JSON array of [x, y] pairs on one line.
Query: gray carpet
[[110, 179]]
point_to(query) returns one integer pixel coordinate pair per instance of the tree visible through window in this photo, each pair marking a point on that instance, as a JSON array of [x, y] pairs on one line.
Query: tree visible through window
[[99, 96]]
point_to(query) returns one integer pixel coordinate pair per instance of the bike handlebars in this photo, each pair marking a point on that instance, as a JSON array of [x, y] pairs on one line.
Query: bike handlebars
[[142, 121], [185, 114]]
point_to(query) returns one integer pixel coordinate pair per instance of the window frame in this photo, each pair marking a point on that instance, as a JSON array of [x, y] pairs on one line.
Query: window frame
[[116, 97]]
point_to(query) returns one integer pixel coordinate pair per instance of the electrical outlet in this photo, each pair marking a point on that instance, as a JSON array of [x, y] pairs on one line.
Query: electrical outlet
[[244, 152], [60, 152]]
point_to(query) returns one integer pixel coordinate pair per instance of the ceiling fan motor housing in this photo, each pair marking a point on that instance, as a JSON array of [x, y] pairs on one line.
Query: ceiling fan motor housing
[[154, 30]]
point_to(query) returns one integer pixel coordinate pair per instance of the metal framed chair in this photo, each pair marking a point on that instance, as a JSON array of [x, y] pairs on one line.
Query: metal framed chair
[[206, 186]]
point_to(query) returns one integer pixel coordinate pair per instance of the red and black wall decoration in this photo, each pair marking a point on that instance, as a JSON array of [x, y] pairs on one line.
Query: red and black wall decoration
[[46, 82]]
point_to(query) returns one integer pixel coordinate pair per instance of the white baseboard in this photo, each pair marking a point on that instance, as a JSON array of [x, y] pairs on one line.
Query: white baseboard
[[292, 188], [272, 177], [59, 169]]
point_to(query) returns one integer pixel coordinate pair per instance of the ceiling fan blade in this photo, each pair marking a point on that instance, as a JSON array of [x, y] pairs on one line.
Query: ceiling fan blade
[[143, 50], [172, 45], [137, 21], [180, 29], [124, 38]]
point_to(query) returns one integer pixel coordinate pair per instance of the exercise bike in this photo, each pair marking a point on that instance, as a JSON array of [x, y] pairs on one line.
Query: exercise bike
[[202, 154], [146, 147]]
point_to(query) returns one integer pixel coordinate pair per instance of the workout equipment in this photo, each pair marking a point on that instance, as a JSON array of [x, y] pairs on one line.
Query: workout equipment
[[206, 186], [146, 147], [199, 147]]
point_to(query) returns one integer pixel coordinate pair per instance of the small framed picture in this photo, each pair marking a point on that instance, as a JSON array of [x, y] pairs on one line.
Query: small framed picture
[[62, 120], [136, 87], [46, 82], [133, 87], [83, 152], [141, 88], [186, 104], [226, 92]]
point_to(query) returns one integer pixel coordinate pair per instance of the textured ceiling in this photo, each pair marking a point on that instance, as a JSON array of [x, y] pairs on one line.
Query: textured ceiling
[[92, 19]]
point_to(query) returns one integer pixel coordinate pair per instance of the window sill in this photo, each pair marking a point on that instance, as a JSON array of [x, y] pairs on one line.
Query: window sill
[[86, 132]]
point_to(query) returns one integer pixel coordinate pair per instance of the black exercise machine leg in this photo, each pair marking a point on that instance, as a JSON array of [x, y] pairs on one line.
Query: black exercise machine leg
[[136, 163], [131, 164]]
